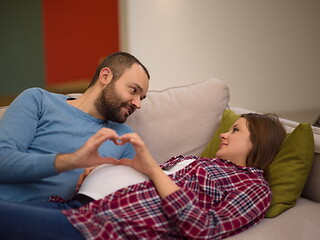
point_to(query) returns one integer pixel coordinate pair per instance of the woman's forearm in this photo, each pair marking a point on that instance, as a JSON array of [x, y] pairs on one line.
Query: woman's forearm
[[164, 185]]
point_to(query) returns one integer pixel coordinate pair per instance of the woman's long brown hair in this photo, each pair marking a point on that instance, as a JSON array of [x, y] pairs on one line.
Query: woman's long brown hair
[[266, 135]]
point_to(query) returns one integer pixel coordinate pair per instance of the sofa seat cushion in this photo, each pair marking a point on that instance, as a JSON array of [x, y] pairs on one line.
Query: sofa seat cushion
[[180, 120], [299, 222]]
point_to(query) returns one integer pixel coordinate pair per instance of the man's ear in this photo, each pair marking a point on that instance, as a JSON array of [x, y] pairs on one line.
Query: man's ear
[[105, 76]]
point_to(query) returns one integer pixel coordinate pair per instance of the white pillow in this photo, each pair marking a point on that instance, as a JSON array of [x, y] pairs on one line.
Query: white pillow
[[180, 120]]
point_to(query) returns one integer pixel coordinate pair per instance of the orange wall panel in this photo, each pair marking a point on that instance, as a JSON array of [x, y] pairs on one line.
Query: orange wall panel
[[77, 35]]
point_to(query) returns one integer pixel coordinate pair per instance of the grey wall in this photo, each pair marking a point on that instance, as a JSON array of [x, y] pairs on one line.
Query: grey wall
[[268, 51]]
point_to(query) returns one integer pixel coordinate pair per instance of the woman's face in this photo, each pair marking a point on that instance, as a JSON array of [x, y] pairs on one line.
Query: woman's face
[[236, 145]]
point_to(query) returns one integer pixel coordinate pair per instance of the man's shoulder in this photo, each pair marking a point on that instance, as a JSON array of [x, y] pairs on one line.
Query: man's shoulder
[[34, 92], [38, 92], [28, 95], [37, 97]]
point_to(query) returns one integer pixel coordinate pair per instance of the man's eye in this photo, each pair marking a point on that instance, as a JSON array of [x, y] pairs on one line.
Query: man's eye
[[133, 90]]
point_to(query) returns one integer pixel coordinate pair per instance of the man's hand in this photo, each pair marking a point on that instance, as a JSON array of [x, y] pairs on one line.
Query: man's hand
[[88, 155]]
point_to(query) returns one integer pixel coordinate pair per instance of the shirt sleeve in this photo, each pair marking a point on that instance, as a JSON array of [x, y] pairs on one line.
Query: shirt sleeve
[[17, 130], [233, 214]]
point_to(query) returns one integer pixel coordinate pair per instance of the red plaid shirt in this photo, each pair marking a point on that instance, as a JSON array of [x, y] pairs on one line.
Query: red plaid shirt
[[217, 199]]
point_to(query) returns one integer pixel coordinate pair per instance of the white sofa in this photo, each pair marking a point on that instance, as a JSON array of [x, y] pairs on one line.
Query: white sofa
[[182, 120]]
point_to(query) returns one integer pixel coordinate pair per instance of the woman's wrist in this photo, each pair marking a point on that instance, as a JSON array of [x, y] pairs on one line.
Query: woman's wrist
[[154, 172]]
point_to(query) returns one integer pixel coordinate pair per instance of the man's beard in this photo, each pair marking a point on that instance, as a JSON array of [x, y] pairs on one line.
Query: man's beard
[[110, 105]]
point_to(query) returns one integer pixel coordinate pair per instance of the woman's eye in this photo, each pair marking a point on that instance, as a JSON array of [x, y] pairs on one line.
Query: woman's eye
[[235, 130]]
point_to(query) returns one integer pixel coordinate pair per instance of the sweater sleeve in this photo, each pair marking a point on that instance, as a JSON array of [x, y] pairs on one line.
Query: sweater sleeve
[[17, 130], [236, 212]]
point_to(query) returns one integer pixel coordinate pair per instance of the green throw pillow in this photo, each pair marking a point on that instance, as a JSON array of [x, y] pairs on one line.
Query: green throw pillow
[[289, 170]]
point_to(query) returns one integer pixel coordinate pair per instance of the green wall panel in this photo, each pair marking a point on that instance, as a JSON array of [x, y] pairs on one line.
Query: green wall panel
[[21, 46]]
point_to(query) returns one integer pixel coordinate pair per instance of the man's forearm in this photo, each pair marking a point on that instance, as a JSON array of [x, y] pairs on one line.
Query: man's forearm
[[64, 162]]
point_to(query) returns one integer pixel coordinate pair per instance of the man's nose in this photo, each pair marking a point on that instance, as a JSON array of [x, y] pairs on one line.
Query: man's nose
[[137, 102]]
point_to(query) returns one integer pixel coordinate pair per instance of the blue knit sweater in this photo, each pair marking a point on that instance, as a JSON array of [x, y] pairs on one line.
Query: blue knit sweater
[[36, 127]]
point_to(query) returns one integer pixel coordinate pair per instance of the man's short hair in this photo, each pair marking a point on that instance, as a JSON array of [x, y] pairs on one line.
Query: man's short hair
[[118, 63]]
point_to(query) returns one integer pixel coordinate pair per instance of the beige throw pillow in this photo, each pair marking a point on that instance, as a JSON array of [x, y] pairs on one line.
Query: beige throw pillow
[[180, 120]]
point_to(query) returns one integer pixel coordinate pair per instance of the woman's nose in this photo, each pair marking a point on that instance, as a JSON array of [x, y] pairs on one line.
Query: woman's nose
[[223, 136]]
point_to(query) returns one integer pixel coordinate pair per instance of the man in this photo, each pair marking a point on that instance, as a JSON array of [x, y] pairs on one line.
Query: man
[[47, 139]]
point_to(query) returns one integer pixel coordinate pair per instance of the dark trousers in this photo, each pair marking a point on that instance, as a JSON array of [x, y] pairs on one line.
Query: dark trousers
[[31, 221]]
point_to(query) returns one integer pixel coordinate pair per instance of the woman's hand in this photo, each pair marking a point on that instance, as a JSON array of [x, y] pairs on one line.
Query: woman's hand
[[145, 163], [143, 160]]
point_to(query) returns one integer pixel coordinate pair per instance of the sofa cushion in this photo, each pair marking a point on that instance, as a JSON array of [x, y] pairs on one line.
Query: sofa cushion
[[301, 222], [289, 170], [180, 120]]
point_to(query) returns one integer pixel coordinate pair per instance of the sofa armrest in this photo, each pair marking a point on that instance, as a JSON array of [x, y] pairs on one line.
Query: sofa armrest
[[2, 110]]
